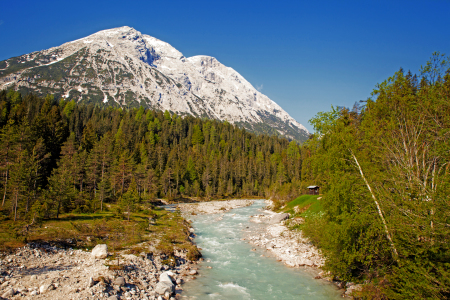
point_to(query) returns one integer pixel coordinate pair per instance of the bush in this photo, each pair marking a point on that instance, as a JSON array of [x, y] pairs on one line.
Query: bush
[[166, 248], [193, 253]]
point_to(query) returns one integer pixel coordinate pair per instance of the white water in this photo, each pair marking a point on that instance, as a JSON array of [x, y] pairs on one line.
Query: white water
[[240, 273]]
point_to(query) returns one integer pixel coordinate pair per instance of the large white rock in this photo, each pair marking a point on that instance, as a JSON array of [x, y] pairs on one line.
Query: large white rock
[[278, 218], [8, 293], [166, 276], [44, 288], [100, 251], [165, 286]]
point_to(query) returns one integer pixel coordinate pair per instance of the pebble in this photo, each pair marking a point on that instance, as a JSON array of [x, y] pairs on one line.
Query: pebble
[[193, 272]]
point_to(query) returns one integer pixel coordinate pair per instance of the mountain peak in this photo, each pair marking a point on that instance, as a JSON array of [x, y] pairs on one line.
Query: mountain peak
[[123, 67]]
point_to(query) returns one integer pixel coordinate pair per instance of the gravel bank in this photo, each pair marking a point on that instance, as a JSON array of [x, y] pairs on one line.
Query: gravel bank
[[41, 271], [213, 207], [288, 246]]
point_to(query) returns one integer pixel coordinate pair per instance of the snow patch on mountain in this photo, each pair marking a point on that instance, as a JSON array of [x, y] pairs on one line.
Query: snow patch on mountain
[[126, 65]]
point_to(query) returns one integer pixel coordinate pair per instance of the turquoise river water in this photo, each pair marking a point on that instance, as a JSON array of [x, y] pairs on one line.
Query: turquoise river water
[[238, 272]]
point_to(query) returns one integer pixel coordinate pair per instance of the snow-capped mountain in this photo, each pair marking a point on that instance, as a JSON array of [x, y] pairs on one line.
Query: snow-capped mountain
[[123, 67]]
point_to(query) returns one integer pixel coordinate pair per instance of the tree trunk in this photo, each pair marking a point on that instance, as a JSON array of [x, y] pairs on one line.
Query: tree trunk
[[380, 213], [15, 205], [6, 184]]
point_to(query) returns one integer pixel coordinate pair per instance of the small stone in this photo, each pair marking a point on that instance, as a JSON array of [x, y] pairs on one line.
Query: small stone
[[33, 293], [33, 277], [193, 272], [113, 297], [91, 282], [120, 281]]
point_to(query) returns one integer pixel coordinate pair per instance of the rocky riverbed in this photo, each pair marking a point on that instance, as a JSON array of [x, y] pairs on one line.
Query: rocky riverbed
[[288, 246], [213, 207], [42, 271], [291, 247]]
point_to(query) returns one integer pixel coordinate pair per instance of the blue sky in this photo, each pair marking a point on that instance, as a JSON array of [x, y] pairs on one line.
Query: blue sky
[[304, 55]]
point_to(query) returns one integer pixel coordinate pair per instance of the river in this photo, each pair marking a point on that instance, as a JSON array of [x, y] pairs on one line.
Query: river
[[240, 272]]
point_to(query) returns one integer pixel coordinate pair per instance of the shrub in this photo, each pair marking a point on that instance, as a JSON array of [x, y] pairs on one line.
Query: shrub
[[193, 253]]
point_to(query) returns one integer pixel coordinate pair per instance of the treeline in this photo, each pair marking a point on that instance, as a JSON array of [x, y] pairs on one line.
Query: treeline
[[385, 169], [59, 156]]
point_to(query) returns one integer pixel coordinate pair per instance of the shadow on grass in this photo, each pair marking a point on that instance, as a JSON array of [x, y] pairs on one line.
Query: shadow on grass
[[82, 217]]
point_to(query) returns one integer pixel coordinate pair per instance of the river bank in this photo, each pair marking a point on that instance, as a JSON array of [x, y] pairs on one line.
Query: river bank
[[213, 207], [42, 271]]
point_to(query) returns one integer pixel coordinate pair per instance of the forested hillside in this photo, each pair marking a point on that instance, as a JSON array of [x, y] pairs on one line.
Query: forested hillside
[[60, 156], [385, 170]]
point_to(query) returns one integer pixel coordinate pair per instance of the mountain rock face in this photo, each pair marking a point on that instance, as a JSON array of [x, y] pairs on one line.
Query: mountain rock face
[[122, 67]]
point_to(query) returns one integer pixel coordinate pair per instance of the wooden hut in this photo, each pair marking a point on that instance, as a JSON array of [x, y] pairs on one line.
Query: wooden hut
[[313, 189]]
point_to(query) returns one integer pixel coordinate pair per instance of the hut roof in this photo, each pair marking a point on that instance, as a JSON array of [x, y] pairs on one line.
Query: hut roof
[[313, 186]]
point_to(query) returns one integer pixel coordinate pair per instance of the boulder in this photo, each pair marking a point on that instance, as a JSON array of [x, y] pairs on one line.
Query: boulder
[[166, 276], [44, 288], [100, 251], [9, 293], [165, 286], [278, 218]]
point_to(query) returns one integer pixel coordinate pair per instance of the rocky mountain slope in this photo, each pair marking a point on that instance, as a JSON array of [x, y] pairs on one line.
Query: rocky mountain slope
[[122, 67]]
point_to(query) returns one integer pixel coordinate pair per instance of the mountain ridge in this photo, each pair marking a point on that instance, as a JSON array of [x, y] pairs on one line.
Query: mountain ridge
[[123, 67]]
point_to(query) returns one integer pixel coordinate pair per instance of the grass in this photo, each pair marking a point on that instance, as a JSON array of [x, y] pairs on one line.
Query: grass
[[306, 205], [85, 230], [300, 209]]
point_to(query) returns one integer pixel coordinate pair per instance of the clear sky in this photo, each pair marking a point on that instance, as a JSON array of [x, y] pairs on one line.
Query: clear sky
[[304, 55]]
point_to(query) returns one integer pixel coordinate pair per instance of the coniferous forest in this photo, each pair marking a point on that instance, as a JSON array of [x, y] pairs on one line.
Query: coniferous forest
[[58, 156]]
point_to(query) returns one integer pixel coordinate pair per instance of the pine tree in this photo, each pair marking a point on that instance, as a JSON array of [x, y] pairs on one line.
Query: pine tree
[[129, 199]]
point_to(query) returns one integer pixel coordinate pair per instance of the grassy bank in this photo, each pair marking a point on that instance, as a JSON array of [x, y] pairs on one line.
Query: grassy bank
[[303, 206], [153, 225]]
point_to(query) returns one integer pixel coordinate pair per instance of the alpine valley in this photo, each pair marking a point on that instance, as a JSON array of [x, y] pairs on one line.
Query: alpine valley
[[124, 68]]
